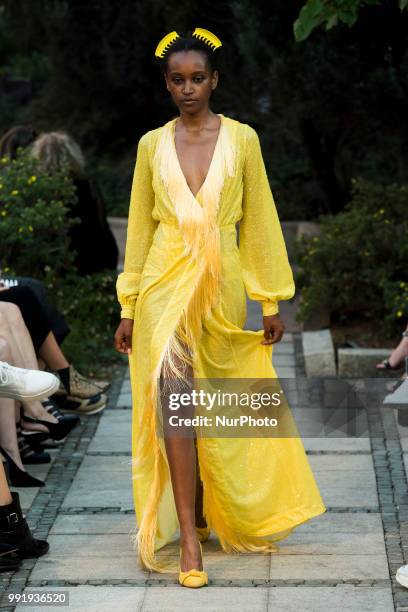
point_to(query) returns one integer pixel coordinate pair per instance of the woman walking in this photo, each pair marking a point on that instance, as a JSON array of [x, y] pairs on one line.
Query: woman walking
[[182, 295]]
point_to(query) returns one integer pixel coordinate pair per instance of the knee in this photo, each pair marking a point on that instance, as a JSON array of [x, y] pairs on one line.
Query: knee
[[5, 351], [11, 314]]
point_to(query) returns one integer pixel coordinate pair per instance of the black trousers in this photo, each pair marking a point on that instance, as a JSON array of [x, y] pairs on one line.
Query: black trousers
[[34, 314], [58, 324]]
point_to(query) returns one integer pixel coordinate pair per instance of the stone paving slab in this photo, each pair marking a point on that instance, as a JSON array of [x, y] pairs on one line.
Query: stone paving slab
[[213, 599], [93, 599], [141, 599], [283, 359], [85, 523], [337, 444], [125, 399], [89, 557], [27, 494], [331, 533], [102, 481], [345, 598], [337, 534], [329, 567], [113, 433], [345, 480], [283, 371]]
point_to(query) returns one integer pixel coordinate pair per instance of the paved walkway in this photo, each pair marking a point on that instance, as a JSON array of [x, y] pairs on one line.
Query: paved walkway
[[339, 561]]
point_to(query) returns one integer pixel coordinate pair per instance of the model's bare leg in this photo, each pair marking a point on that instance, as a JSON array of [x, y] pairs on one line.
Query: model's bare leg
[[181, 456], [18, 350], [199, 517]]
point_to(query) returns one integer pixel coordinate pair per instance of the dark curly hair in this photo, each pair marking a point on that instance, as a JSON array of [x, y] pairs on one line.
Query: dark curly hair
[[188, 42]]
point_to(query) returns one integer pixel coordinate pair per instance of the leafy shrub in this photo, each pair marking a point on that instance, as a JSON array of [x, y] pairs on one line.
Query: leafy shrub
[[89, 305], [33, 219], [359, 262], [34, 241]]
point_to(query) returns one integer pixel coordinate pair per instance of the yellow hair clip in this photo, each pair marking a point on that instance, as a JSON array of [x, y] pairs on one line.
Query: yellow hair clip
[[165, 43], [208, 37]]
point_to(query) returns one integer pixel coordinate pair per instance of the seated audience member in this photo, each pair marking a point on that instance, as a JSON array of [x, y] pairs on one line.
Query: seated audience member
[[37, 420], [59, 326], [398, 357], [92, 238], [30, 313], [16, 540]]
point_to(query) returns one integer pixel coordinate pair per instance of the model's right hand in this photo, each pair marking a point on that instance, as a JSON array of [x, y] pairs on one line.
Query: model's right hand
[[123, 336]]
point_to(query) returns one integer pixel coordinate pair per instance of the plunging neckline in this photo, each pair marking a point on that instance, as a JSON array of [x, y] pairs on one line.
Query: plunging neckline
[[212, 158]]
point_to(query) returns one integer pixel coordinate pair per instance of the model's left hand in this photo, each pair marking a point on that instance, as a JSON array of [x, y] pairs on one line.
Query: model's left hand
[[273, 329]]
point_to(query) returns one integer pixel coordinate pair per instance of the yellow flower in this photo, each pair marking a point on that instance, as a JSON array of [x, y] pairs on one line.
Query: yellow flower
[[20, 229], [32, 179], [7, 269], [399, 313], [4, 213], [402, 284], [30, 227], [4, 160], [14, 192], [1, 186], [381, 211]]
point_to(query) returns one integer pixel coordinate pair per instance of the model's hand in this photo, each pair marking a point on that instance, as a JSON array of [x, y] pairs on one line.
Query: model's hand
[[273, 329], [123, 336]]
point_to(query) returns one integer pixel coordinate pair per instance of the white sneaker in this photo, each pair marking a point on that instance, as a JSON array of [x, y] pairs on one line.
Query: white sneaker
[[399, 397], [20, 384], [402, 576]]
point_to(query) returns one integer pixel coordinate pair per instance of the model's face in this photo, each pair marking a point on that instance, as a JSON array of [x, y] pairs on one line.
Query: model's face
[[189, 80]]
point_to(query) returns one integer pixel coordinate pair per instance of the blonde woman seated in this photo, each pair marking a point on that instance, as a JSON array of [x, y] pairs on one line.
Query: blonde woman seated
[[92, 239]]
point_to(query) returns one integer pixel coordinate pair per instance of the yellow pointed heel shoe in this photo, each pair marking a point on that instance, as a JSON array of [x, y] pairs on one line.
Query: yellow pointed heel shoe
[[194, 579], [203, 533]]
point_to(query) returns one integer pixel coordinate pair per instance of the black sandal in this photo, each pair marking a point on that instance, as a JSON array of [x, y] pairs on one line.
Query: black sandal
[[29, 453], [57, 431]]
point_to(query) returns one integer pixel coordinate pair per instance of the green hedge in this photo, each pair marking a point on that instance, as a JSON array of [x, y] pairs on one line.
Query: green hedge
[[34, 241], [358, 265]]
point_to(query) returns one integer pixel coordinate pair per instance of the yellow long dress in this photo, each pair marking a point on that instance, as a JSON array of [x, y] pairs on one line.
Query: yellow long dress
[[184, 281]]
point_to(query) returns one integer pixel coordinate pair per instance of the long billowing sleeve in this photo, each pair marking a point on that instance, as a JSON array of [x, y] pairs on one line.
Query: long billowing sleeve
[[266, 270], [141, 227]]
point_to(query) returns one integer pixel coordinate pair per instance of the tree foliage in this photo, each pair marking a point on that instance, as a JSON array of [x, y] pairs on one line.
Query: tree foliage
[[327, 110], [331, 12]]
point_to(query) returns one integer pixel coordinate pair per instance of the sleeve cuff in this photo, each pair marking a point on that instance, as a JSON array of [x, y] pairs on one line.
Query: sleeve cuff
[[127, 312], [269, 308]]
